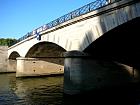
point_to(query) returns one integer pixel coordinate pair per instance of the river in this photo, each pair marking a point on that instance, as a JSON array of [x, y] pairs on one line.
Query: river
[[49, 91]]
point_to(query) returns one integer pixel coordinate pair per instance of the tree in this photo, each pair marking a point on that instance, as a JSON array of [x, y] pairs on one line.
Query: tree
[[7, 42]]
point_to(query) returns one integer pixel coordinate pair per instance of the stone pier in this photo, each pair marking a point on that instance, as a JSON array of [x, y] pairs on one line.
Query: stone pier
[[39, 66], [11, 65], [82, 73]]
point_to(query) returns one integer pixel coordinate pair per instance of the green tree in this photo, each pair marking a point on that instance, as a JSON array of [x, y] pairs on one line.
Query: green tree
[[7, 42]]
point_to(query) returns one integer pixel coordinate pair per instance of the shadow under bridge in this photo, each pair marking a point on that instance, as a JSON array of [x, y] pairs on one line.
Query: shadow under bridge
[[120, 44]]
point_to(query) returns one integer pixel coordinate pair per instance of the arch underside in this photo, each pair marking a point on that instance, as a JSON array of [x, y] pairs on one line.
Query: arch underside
[[45, 49], [14, 55], [119, 44], [48, 52]]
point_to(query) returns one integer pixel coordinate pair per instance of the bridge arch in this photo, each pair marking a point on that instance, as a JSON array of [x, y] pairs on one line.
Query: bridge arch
[[82, 31], [14, 55], [119, 44], [45, 49]]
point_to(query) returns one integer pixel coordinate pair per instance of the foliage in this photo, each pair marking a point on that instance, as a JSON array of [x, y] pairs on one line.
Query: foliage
[[6, 42]]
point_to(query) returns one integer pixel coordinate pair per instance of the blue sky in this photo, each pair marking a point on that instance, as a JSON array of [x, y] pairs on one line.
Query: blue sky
[[18, 17]]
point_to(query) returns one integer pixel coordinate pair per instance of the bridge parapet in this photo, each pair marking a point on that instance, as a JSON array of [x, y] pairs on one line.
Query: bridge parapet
[[79, 32], [76, 13]]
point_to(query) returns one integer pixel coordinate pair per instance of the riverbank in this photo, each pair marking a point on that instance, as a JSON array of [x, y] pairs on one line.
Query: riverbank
[[4, 65], [3, 58]]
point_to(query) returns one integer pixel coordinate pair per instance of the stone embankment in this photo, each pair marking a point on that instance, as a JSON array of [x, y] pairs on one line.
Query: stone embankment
[[4, 62]]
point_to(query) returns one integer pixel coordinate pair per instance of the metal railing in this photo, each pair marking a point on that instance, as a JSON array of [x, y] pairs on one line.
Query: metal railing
[[78, 12]]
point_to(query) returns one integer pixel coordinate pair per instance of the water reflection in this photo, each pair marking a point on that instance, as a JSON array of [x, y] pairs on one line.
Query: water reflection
[[31, 91], [49, 91], [6, 95]]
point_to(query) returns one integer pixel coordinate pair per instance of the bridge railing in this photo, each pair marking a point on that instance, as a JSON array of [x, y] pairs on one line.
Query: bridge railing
[[78, 12]]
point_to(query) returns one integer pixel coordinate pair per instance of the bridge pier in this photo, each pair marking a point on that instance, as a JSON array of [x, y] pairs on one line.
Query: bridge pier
[[39, 66], [11, 65], [82, 73]]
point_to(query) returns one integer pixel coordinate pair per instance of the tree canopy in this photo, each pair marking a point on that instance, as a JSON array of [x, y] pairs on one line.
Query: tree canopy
[[7, 41]]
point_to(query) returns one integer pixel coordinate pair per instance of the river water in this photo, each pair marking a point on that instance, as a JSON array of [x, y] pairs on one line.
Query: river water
[[49, 91]]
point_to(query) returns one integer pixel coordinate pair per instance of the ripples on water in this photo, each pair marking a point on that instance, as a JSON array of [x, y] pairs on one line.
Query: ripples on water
[[31, 91], [49, 91]]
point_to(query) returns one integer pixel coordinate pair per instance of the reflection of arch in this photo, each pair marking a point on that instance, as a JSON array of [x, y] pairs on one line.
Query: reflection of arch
[[14, 55], [45, 49]]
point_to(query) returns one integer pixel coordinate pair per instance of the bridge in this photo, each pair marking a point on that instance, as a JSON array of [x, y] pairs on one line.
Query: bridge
[[94, 46]]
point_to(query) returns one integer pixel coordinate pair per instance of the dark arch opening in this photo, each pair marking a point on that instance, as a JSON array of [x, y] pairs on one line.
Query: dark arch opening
[[45, 49], [14, 55], [48, 52], [120, 44]]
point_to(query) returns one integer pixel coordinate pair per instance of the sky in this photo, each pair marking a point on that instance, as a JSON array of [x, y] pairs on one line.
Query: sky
[[18, 17]]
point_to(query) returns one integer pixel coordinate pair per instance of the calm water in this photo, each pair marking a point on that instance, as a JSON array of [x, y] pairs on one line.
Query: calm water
[[49, 91]]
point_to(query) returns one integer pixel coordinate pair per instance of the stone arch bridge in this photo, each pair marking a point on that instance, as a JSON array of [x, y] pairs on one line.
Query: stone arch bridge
[[104, 37]]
